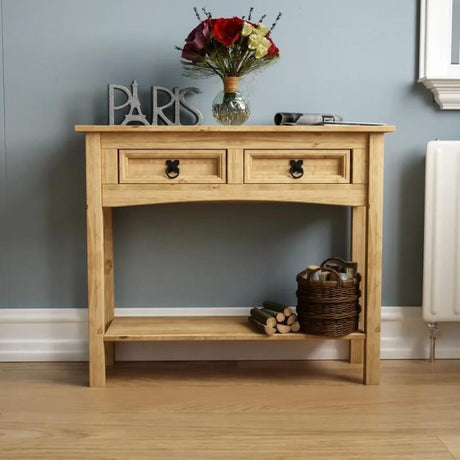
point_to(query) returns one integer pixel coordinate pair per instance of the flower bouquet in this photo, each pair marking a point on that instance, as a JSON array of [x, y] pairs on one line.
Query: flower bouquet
[[229, 48]]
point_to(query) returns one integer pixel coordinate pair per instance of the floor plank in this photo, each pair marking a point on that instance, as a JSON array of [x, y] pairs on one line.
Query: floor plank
[[452, 442], [234, 410]]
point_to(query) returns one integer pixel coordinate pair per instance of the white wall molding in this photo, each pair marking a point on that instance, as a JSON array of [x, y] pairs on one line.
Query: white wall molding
[[446, 91], [51, 334], [436, 71]]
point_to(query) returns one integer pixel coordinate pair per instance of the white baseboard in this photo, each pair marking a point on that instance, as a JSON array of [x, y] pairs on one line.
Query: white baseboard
[[61, 335]]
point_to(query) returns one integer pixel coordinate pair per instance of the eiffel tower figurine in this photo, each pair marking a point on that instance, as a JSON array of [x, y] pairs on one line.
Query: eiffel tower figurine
[[135, 105]]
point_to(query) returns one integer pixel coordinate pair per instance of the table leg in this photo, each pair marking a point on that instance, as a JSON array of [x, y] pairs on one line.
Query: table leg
[[358, 254], [108, 281], [96, 271], [374, 261]]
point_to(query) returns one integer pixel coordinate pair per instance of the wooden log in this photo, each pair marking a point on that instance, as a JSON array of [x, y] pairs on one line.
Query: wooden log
[[263, 317], [290, 319], [295, 326], [261, 327], [283, 329], [276, 314], [275, 306]]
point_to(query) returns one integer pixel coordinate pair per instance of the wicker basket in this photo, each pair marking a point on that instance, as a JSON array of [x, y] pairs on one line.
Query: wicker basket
[[329, 308]]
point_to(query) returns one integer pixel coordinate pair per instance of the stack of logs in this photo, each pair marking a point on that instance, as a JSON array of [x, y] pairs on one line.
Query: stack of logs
[[274, 317]]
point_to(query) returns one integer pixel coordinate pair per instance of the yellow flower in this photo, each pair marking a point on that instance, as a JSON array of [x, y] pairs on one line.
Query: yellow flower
[[259, 44], [260, 53], [256, 38], [247, 29], [262, 29]]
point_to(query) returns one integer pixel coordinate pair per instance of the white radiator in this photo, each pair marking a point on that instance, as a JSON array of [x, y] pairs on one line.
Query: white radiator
[[441, 270]]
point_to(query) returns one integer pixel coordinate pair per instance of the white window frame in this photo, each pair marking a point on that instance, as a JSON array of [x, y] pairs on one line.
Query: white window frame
[[436, 70]]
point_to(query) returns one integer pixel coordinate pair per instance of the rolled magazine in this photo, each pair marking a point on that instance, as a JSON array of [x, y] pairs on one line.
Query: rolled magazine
[[292, 118]]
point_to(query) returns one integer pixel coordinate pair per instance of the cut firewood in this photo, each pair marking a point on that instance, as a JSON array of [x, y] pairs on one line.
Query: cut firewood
[[263, 317], [295, 326], [277, 314], [261, 327], [290, 320], [275, 306], [283, 329]]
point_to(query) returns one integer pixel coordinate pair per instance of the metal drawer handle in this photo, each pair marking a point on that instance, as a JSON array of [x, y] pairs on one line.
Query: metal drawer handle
[[172, 168], [296, 170]]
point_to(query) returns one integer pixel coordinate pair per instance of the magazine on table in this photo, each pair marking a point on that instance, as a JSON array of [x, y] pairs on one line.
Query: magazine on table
[[295, 118]]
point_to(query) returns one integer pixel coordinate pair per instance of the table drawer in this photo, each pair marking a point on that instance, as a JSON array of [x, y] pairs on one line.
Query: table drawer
[[297, 166], [172, 166]]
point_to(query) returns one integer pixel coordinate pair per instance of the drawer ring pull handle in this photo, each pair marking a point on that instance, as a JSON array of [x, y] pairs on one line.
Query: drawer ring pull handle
[[296, 170], [172, 168]]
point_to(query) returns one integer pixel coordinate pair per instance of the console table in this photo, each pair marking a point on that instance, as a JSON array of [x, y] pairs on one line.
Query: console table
[[142, 165]]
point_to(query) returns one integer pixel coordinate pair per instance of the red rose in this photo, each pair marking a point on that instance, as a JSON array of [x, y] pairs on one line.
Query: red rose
[[273, 51], [227, 30]]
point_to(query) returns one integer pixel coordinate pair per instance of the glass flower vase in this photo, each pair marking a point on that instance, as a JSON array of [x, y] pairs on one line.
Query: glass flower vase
[[230, 107]]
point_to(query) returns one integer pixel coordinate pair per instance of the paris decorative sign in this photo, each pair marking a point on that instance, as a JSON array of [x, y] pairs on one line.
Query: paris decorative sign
[[168, 113]]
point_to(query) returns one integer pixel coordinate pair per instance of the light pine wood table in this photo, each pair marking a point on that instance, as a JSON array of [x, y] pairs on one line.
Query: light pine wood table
[[142, 165]]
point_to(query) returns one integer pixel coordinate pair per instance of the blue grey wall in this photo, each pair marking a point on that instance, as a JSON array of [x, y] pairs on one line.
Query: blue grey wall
[[356, 58]]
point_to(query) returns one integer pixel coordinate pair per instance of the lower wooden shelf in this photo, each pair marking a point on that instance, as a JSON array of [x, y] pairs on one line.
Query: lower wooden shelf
[[196, 328]]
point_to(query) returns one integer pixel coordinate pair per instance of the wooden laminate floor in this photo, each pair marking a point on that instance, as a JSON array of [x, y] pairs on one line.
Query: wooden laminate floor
[[239, 410]]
